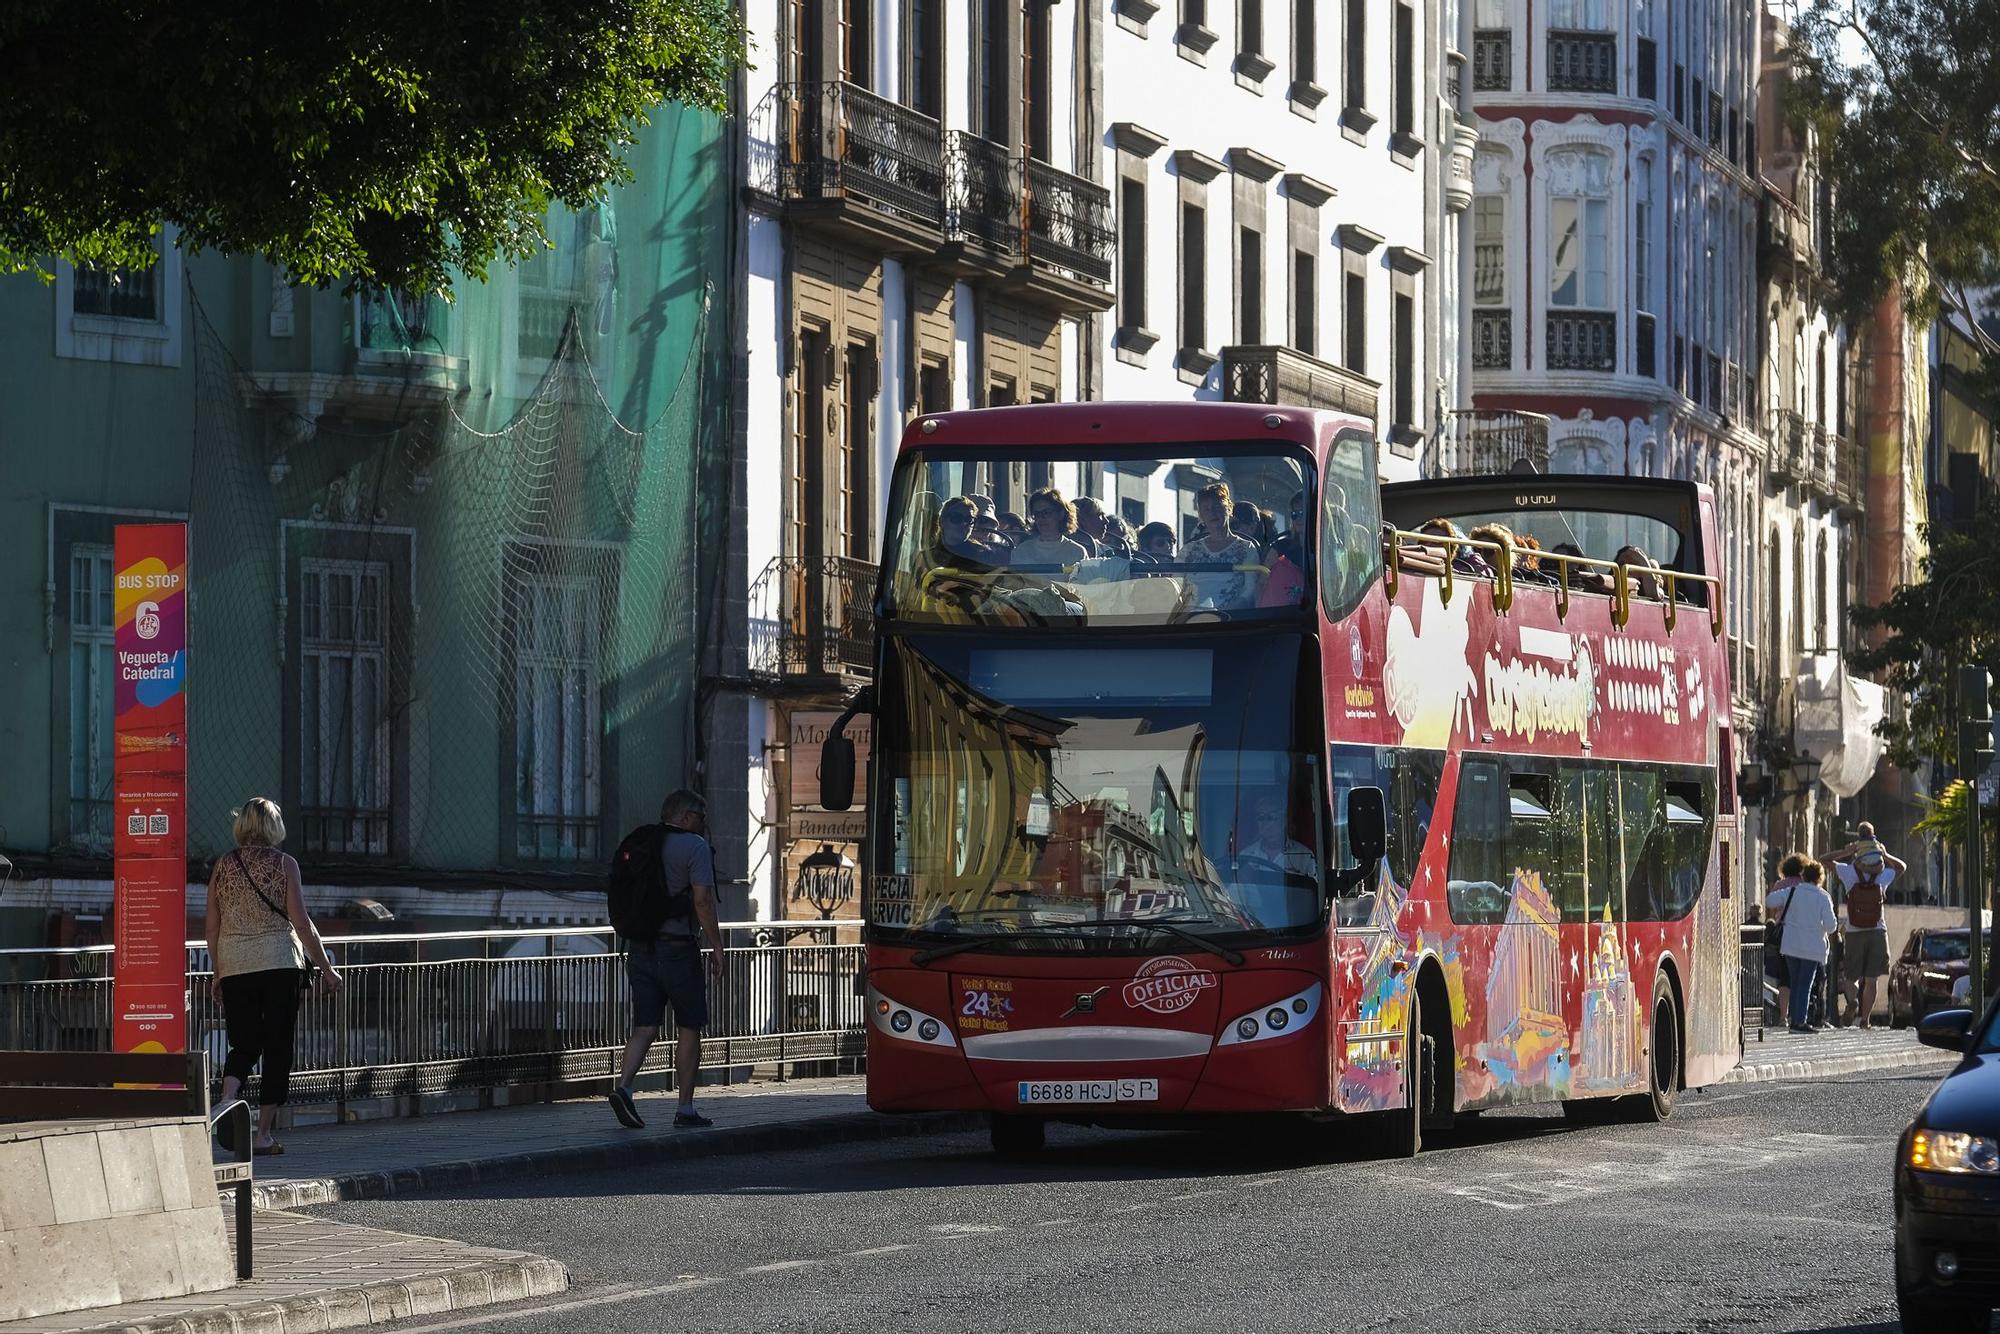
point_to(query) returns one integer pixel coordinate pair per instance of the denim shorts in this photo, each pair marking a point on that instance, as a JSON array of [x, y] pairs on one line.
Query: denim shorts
[[663, 973]]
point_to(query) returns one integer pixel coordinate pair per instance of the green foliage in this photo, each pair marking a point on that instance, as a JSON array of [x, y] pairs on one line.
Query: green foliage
[[1909, 137], [1949, 618], [371, 142]]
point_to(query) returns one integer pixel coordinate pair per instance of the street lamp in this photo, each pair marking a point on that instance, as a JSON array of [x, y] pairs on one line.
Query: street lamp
[[826, 881]]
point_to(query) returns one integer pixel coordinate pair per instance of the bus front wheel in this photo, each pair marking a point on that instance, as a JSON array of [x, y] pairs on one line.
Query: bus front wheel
[[1663, 1071], [1017, 1136]]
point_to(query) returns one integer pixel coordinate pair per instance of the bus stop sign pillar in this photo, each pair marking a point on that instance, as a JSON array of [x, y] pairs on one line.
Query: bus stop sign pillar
[[1975, 752]]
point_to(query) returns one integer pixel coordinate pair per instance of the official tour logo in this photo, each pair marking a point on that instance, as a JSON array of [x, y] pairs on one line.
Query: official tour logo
[[148, 622], [1167, 985]]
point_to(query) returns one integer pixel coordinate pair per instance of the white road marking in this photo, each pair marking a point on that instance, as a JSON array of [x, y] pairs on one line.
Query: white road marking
[[1649, 1164], [777, 1265], [517, 1311], [882, 1250], [950, 1230], [1055, 1222]]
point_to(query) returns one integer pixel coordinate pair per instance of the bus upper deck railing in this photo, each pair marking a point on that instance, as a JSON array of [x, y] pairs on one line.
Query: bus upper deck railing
[[450, 1012], [1435, 555]]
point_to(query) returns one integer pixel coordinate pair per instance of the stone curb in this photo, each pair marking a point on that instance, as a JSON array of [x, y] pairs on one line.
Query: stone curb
[[771, 1138], [487, 1283], [1826, 1067]]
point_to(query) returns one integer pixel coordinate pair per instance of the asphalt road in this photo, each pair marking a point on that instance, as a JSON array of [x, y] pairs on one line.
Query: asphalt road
[[1762, 1207]]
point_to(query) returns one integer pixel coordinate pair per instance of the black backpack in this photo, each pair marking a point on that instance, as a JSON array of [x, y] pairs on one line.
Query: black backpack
[[637, 897]]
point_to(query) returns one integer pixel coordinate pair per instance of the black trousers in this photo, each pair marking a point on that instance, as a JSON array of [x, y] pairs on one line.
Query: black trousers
[[261, 1012]]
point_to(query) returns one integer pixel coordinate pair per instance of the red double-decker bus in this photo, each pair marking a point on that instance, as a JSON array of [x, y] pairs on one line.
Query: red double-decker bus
[[1387, 814]]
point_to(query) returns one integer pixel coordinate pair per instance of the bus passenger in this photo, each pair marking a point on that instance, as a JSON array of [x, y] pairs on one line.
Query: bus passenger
[[1013, 529], [1582, 578], [1463, 559], [1229, 586], [1246, 520], [1094, 529], [1118, 537], [986, 531], [1645, 583], [1500, 535], [1528, 558], [1156, 544], [1048, 547], [956, 547], [1286, 585]]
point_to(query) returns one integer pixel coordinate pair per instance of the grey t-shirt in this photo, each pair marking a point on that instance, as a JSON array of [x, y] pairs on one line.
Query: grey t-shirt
[[688, 861]]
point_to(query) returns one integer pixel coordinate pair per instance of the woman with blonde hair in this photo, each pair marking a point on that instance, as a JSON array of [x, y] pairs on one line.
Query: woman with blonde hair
[[259, 937]]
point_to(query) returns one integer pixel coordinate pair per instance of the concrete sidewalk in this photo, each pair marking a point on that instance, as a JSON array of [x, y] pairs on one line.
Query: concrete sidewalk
[[1834, 1051], [371, 1159], [317, 1275]]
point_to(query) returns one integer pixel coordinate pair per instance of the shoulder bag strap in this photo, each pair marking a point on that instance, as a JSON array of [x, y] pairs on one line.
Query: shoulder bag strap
[[256, 888]]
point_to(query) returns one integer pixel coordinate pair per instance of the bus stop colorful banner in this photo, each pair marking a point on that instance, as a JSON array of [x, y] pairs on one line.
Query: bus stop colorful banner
[[149, 776]]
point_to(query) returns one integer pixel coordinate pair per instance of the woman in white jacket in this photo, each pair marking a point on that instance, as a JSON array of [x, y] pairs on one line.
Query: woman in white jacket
[[1808, 917]]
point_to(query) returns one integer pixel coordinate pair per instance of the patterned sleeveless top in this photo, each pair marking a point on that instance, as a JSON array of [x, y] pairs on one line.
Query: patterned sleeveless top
[[251, 938]]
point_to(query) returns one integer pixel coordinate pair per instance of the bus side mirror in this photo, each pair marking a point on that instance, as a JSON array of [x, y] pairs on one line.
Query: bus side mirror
[[836, 773], [1367, 826]]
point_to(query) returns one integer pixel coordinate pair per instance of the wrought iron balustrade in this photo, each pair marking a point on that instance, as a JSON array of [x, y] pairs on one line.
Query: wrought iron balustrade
[[1493, 339], [1582, 340], [1479, 442], [1583, 62], [1493, 60], [813, 617], [983, 200], [840, 141], [1270, 373], [1069, 222]]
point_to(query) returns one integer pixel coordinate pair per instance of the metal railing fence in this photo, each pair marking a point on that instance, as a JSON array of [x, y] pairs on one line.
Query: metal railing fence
[[474, 1011]]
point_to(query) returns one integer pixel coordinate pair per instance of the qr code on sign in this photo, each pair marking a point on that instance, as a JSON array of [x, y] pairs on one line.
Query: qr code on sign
[[157, 825], [135, 825]]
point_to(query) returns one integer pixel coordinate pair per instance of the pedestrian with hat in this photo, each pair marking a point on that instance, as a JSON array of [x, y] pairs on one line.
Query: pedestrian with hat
[[1864, 870]]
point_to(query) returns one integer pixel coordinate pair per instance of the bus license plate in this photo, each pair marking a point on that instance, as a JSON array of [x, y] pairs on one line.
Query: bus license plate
[[1035, 1091]]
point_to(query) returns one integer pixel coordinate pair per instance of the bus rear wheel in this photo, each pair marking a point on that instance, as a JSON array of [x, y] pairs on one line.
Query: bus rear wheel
[[1663, 1071], [1018, 1136]]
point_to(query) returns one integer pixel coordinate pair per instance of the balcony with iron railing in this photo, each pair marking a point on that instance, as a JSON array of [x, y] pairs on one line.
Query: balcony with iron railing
[[1480, 442], [1582, 340], [1583, 62], [812, 620], [1269, 373], [1493, 339], [1069, 230], [983, 197], [1846, 455], [1784, 233], [859, 163], [1492, 60]]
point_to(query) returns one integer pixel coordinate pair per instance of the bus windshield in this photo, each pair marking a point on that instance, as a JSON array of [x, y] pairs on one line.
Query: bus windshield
[[1085, 791], [1063, 537]]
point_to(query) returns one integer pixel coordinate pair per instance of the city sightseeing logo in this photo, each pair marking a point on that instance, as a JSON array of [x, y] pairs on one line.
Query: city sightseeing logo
[[148, 621], [1167, 985]]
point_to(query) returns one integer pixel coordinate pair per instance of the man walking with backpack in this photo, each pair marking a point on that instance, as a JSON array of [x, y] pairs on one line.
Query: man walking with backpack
[[662, 890]]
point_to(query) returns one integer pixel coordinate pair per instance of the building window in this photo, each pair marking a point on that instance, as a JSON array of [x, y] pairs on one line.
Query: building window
[[1305, 302], [1404, 115], [1489, 250], [1250, 284], [857, 464], [1131, 252], [93, 622], [934, 386], [1250, 27], [926, 93], [857, 42], [995, 66], [1403, 374], [1579, 230], [124, 315], [1354, 314], [1041, 87], [1194, 276], [1305, 45], [557, 622], [1355, 84], [344, 756]]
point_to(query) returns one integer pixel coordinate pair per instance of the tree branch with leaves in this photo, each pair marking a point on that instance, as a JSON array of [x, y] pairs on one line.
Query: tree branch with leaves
[[369, 142]]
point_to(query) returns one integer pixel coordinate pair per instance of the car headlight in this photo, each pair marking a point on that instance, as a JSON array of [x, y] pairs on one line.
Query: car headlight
[[1954, 1151], [1278, 1018], [907, 1022]]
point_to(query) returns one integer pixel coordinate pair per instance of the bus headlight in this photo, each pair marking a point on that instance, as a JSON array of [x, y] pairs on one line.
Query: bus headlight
[[1954, 1151], [907, 1023], [1278, 1018]]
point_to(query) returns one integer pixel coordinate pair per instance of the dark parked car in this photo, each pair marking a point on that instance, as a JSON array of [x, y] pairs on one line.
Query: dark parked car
[[1920, 979], [1948, 1185]]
